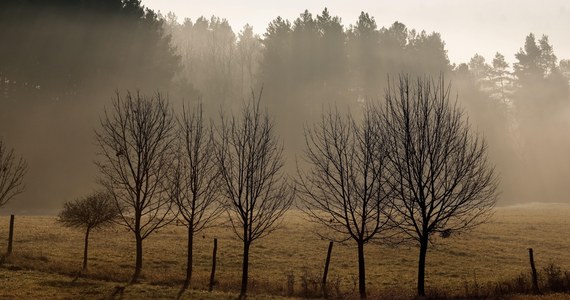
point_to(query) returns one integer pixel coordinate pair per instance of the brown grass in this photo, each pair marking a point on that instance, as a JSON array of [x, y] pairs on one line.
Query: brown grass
[[290, 261]]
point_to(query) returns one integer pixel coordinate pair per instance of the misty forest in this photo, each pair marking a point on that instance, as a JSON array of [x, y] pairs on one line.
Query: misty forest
[[145, 155]]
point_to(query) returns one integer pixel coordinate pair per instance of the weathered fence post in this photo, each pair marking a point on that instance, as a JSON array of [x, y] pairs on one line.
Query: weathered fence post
[[11, 235], [326, 272], [213, 274], [533, 269]]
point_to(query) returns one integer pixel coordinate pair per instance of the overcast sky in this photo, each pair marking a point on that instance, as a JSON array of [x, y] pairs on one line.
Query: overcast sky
[[467, 27]]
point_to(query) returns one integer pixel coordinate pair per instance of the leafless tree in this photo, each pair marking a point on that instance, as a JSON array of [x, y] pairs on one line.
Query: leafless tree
[[136, 147], [344, 187], [195, 178], [12, 172], [442, 180], [95, 211], [254, 186]]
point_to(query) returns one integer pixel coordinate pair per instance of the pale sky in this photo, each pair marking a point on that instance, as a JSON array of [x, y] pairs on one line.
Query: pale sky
[[467, 26]]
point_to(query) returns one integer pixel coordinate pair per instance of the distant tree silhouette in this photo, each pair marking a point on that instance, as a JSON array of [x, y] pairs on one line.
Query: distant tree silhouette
[[275, 67], [540, 84], [92, 212], [332, 58], [442, 180], [480, 70], [501, 78], [136, 144], [249, 49], [12, 172], [541, 93], [345, 186], [426, 54], [485, 95], [393, 50], [255, 191], [58, 49], [488, 106], [304, 50], [375, 52], [194, 180], [565, 67], [535, 61], [363, 39], [207, 48]]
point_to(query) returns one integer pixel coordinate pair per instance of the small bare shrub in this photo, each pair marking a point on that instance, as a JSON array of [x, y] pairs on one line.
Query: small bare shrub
[[310, 284], [90, 213], [474, 289], [554, 278], [290, 284], [518, 285], [334, 286]]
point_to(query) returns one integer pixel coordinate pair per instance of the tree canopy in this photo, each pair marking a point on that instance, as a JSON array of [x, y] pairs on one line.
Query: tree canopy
[[56, 49]]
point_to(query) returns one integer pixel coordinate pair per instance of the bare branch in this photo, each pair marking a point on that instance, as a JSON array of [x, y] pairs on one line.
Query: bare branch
[[442, 180], [91, 212], [136, 149], [345, 186], [194, 181], [255, 191], [250, 161], [12, 172]]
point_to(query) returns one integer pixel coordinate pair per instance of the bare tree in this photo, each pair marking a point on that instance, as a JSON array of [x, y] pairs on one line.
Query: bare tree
[[442, 180], [137, 146], [12, 172], [195, 178], [345, 186], [95, 211], [254, 186]]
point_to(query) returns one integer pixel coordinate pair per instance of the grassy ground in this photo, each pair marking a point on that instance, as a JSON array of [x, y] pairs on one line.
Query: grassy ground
[[27, 284], [289, 262]]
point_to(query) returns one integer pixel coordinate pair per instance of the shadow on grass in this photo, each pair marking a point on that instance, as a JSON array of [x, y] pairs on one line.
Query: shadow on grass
[[182, 290], [5, 263], [67, 284], [118, 292]]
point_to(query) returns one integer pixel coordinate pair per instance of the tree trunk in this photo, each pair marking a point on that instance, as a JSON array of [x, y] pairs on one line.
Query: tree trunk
[[361, 271], [85, 250], [189, 260], [138, 260], [245, 269], [422, 267]]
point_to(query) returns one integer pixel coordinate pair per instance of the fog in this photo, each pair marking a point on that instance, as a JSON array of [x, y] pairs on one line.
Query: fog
[[65, 60]]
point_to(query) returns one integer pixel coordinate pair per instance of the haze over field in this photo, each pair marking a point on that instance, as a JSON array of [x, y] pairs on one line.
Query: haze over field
[[66, 59]]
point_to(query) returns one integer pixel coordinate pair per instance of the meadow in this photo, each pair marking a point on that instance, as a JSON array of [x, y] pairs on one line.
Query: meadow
[[47, 258]]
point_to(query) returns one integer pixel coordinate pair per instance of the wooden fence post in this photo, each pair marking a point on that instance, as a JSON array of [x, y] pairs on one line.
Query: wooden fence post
[[326, 272], [213, 274], [11, 235], [533, 270]]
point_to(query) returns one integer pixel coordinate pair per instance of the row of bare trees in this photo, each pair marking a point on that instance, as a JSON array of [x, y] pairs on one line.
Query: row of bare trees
[[406, 169], [159, 167], [410, 168]]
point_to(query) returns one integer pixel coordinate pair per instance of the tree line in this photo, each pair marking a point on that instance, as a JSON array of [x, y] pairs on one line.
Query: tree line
[[315, 60], [64, 56], [302, 63], [522, 109]]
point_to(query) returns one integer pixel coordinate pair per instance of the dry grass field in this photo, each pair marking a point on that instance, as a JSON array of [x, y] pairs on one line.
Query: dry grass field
[[47, 256]]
